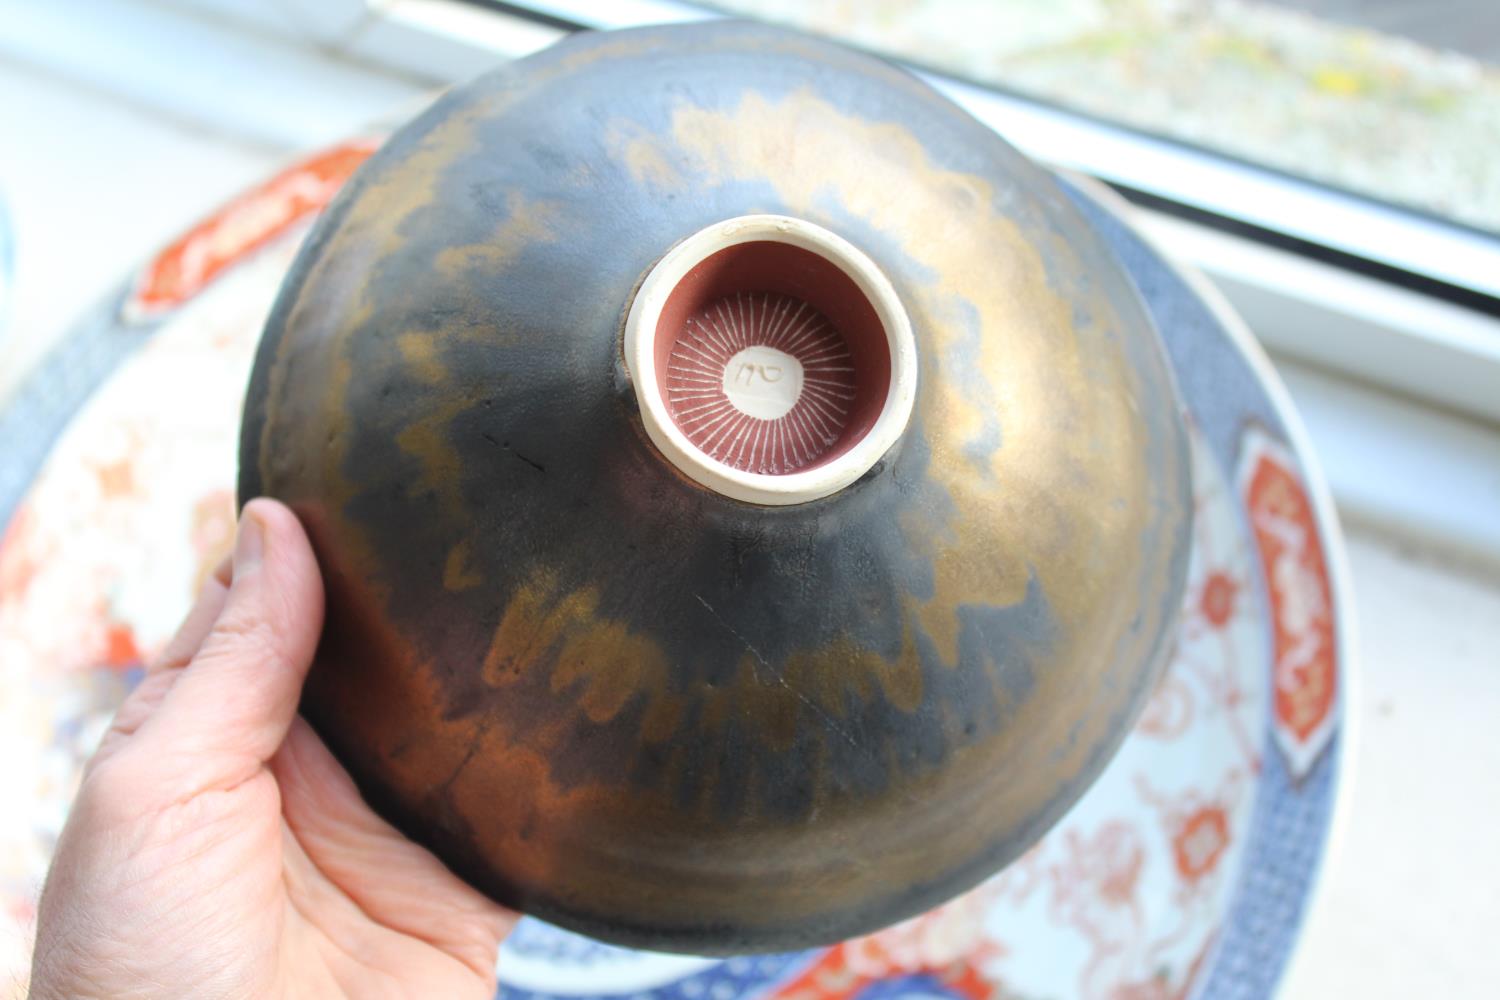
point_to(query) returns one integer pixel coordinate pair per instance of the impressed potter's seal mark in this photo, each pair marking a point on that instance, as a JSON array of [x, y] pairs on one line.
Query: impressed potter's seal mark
[[763, 382]]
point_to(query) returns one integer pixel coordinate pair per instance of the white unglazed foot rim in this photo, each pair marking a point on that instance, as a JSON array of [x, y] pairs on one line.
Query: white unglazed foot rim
[[796, 487]]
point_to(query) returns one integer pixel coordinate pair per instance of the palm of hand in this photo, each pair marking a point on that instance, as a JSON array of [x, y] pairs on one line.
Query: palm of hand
[[216, 849]]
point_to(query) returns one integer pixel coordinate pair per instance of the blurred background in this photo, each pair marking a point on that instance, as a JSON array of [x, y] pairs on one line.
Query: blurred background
[[1332, 166]]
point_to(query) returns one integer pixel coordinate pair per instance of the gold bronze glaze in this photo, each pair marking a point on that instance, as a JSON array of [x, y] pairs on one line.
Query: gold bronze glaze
[[1030, 419], [1066, 505], [526, 222], [458, 574], [1028, 354], [373, 223]]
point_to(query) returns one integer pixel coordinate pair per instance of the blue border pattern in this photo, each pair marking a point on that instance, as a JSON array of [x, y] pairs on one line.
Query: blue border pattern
[[1289, 827], [43, 405], [7, 266]]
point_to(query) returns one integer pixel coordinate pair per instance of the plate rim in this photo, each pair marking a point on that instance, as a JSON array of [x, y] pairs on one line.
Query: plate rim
[[1335, 552]]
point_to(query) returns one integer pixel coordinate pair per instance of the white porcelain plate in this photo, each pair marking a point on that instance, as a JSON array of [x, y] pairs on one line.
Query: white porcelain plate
[[1185, 871]]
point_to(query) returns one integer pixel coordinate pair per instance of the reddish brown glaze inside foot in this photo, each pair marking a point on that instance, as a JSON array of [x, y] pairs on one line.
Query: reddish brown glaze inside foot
[[770, 359]]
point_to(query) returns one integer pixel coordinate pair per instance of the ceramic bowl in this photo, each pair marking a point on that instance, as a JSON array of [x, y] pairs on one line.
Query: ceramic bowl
[[754, 504]]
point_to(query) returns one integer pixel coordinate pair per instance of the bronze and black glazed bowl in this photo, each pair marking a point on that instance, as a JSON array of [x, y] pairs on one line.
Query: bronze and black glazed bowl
[[781, 680]]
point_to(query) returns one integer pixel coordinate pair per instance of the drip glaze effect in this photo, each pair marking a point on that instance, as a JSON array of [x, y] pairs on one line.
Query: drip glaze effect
[[761, 382]]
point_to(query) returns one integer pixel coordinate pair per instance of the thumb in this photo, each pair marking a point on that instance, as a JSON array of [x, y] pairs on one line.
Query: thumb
[[238, 695]]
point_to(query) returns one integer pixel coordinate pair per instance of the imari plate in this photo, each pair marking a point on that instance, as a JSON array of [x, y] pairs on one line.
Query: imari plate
[[1184, 872]]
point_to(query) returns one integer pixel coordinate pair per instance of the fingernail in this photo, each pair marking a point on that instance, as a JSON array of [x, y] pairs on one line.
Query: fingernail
[[248, 544]]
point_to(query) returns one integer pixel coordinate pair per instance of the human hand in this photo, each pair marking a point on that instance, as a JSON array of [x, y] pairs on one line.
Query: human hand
[[216, 849]]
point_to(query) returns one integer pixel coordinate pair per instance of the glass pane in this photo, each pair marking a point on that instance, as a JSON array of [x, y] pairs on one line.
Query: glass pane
[[1396, 99]]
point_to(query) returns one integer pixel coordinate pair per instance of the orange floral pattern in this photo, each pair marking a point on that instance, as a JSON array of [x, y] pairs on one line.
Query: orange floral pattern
[[249, 222], [1296, 574]]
